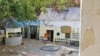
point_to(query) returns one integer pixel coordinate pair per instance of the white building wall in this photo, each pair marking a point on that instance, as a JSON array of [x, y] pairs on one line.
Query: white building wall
[[56, 29], [56, 26]]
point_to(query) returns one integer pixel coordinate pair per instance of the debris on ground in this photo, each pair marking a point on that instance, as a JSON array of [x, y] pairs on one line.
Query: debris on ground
[[19, 54], [32, 48], [30, 45], [3, 50], [24, 53], [22, 43], [11, 50], [70, 52], [62, 54], [24, 47]]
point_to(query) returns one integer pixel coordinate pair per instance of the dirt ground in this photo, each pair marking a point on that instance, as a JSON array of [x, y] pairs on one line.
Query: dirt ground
[[31, 47]]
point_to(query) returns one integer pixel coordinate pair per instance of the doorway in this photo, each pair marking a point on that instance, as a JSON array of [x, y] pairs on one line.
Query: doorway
[[50, 35], [33, 31]]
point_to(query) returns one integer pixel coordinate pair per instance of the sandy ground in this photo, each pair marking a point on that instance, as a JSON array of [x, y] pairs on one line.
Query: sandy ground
[[30, 48]]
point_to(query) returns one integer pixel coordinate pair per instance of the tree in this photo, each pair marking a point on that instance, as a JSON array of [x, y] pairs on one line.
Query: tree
[[30, 9]]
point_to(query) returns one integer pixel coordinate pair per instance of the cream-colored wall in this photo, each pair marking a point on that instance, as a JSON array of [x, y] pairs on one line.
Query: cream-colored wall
[[12, 30], [91, 17], [56, 29]]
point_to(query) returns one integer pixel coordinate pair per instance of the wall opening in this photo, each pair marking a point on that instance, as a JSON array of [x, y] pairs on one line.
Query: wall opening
[[50, 35]]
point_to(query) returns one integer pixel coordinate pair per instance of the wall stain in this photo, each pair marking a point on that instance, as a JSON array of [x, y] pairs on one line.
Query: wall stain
[[88, 38]]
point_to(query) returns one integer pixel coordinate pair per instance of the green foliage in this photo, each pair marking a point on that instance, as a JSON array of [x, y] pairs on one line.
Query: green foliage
[[29, 9]]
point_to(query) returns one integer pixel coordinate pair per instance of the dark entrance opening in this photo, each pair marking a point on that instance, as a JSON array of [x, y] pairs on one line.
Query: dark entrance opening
[[33, 31], [50, 35], [25, 32]]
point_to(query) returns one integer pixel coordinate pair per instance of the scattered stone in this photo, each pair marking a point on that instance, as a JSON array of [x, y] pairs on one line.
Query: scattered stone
[[62, 54], [19, 54], [3, 49], [22, 43], [11, 50], [24, 47], [30, 45], [23, 52], [70, 52], [48, 55]]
